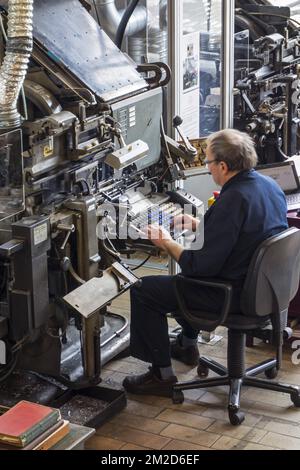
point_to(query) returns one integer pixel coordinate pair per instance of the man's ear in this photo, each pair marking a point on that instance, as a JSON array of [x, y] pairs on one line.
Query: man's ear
[[224, 166]]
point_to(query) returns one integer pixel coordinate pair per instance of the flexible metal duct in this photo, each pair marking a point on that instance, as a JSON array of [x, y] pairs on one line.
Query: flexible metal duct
[[153, 46], [15, 63], [110, 17]]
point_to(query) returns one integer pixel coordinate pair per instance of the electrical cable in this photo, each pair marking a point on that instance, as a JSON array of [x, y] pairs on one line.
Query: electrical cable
[[117, 333], [124, 21], [280, 151], [111, 250], [141, 264], [75, 275], [98, 19]]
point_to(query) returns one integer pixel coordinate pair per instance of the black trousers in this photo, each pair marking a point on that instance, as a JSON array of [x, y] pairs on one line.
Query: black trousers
[[150, 303]]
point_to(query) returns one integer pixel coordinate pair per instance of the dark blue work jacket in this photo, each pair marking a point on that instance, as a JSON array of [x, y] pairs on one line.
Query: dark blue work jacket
[[251, 207]]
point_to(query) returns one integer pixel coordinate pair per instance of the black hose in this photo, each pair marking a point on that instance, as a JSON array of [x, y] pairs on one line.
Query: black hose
[[124, 21], [96, 11], [282, 154], [141, 264]]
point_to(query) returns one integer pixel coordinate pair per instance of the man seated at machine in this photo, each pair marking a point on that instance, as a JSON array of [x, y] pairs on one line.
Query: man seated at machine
[[250, 208]]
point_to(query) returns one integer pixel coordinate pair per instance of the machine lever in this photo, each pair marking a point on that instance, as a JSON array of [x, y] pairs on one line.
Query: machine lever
[[177, 121], [68, 229]]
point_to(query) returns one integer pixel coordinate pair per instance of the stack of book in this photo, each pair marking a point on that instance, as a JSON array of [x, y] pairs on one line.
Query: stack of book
[[31, 426]]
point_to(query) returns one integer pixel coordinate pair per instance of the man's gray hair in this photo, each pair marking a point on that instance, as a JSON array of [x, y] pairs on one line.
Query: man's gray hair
[[235, 148]]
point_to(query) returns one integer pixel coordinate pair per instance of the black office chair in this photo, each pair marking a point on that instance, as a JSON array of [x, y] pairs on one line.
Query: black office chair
[[271, 283]]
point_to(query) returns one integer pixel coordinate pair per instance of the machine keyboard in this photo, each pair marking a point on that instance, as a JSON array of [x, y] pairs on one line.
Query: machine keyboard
[[293, 198], [162, 215]]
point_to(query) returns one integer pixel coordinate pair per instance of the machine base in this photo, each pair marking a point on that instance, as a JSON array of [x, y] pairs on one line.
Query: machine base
[[88, 405]]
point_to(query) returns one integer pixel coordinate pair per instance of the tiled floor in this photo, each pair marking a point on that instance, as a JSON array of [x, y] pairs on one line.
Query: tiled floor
[[201, 422]]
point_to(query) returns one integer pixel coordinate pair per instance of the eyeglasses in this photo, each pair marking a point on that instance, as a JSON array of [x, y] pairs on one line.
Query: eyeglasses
[[208, 162]]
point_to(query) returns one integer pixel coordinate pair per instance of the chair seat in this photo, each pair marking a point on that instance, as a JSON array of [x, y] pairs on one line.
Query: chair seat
[[234, 321]]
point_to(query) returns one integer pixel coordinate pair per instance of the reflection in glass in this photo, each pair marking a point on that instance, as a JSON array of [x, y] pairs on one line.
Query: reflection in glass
[[150, 44], [241, 54], [204, 17]]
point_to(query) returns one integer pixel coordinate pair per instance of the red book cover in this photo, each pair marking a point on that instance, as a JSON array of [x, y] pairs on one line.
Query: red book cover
[[25, 421]]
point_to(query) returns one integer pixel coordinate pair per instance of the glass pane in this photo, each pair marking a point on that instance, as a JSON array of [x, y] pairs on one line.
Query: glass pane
[[150, 43], [201, 56], [157, 31], [241, 55], [267, 85], [294, 5]]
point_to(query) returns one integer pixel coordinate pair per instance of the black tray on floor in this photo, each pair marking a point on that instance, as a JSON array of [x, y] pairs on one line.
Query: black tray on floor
[[91, 406]]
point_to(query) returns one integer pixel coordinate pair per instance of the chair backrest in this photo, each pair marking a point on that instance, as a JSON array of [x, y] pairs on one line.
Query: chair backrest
[[273, 275]]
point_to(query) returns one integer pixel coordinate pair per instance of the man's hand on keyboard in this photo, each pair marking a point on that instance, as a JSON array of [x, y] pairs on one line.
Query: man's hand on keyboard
[[158, 235], [161, 238], [185, 222]]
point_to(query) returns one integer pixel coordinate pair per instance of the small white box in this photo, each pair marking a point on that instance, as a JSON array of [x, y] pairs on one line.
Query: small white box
[[127, 155]]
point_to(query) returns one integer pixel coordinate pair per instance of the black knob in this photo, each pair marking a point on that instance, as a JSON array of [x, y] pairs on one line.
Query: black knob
[[177, 121]]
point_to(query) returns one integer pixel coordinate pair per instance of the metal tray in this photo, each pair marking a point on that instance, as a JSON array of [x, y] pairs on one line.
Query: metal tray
[[91, 406]]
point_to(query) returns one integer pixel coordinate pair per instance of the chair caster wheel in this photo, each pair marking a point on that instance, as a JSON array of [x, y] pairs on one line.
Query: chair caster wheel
[[295, 397], [236, 417], [177, 397], [202, 371], [287, 333], [271, 373]]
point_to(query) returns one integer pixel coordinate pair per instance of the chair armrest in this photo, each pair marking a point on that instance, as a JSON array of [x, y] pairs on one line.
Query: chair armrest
[[195, 319]]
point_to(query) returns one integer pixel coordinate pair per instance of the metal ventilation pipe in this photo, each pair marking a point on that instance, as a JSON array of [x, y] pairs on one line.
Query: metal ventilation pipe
[[110, 17], [15, 63], [152, 43], [154, 46]]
